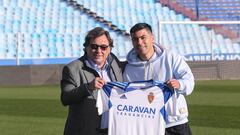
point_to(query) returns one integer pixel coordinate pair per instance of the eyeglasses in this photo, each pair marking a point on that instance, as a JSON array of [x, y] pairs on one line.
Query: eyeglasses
[[102, 47]]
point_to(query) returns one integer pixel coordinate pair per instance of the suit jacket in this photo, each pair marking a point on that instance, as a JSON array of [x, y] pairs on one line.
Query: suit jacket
[[83, 118]]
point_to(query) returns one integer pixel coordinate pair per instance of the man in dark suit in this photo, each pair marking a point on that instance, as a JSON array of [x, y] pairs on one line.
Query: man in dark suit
[[82, 78]]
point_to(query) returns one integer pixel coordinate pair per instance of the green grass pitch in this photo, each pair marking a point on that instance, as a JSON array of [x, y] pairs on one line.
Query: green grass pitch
[[214, 109]]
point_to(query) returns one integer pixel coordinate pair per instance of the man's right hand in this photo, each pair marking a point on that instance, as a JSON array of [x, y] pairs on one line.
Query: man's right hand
[[96, 84]]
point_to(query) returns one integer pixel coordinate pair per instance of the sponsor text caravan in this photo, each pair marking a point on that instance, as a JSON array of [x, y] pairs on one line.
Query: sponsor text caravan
[[136, 111]]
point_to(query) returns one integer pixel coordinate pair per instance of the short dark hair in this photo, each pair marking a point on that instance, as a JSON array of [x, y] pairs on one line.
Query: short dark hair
[[140, 26], [94, 33]]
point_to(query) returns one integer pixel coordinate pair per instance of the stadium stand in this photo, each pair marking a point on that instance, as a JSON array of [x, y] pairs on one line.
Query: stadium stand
[[52, 31], [44, 30], [226, 10]]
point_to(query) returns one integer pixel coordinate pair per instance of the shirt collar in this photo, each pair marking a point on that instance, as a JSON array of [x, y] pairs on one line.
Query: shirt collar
[[94, 66]]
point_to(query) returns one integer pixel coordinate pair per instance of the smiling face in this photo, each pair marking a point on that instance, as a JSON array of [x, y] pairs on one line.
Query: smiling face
[[143, 43], [98, 50]]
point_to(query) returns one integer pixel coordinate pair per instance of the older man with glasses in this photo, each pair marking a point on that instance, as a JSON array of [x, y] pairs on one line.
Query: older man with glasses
[[82, 78]]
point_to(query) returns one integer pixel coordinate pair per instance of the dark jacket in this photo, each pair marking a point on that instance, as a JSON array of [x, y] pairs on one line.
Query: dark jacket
[[83, 118]]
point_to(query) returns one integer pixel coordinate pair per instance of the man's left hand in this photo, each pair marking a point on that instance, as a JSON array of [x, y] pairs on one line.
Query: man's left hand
[[173, 84]]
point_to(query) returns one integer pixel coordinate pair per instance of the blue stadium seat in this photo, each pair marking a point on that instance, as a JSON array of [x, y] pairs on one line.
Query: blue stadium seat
[[77, 46], [35, 45]]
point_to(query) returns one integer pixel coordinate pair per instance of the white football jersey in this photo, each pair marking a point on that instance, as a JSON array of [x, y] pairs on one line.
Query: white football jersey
[[135, 108]]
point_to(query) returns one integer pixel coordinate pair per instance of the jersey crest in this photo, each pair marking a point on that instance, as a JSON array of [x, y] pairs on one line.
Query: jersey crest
[[150, 97]]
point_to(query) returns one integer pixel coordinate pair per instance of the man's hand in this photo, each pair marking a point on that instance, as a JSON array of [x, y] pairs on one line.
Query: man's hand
[[96, 84], [173, 84]]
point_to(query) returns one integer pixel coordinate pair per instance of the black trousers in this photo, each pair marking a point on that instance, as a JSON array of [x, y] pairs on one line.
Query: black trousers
[[182, 129], [103, 131]]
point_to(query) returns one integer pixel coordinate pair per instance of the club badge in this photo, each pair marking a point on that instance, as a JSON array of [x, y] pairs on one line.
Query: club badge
[[150, 97]]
